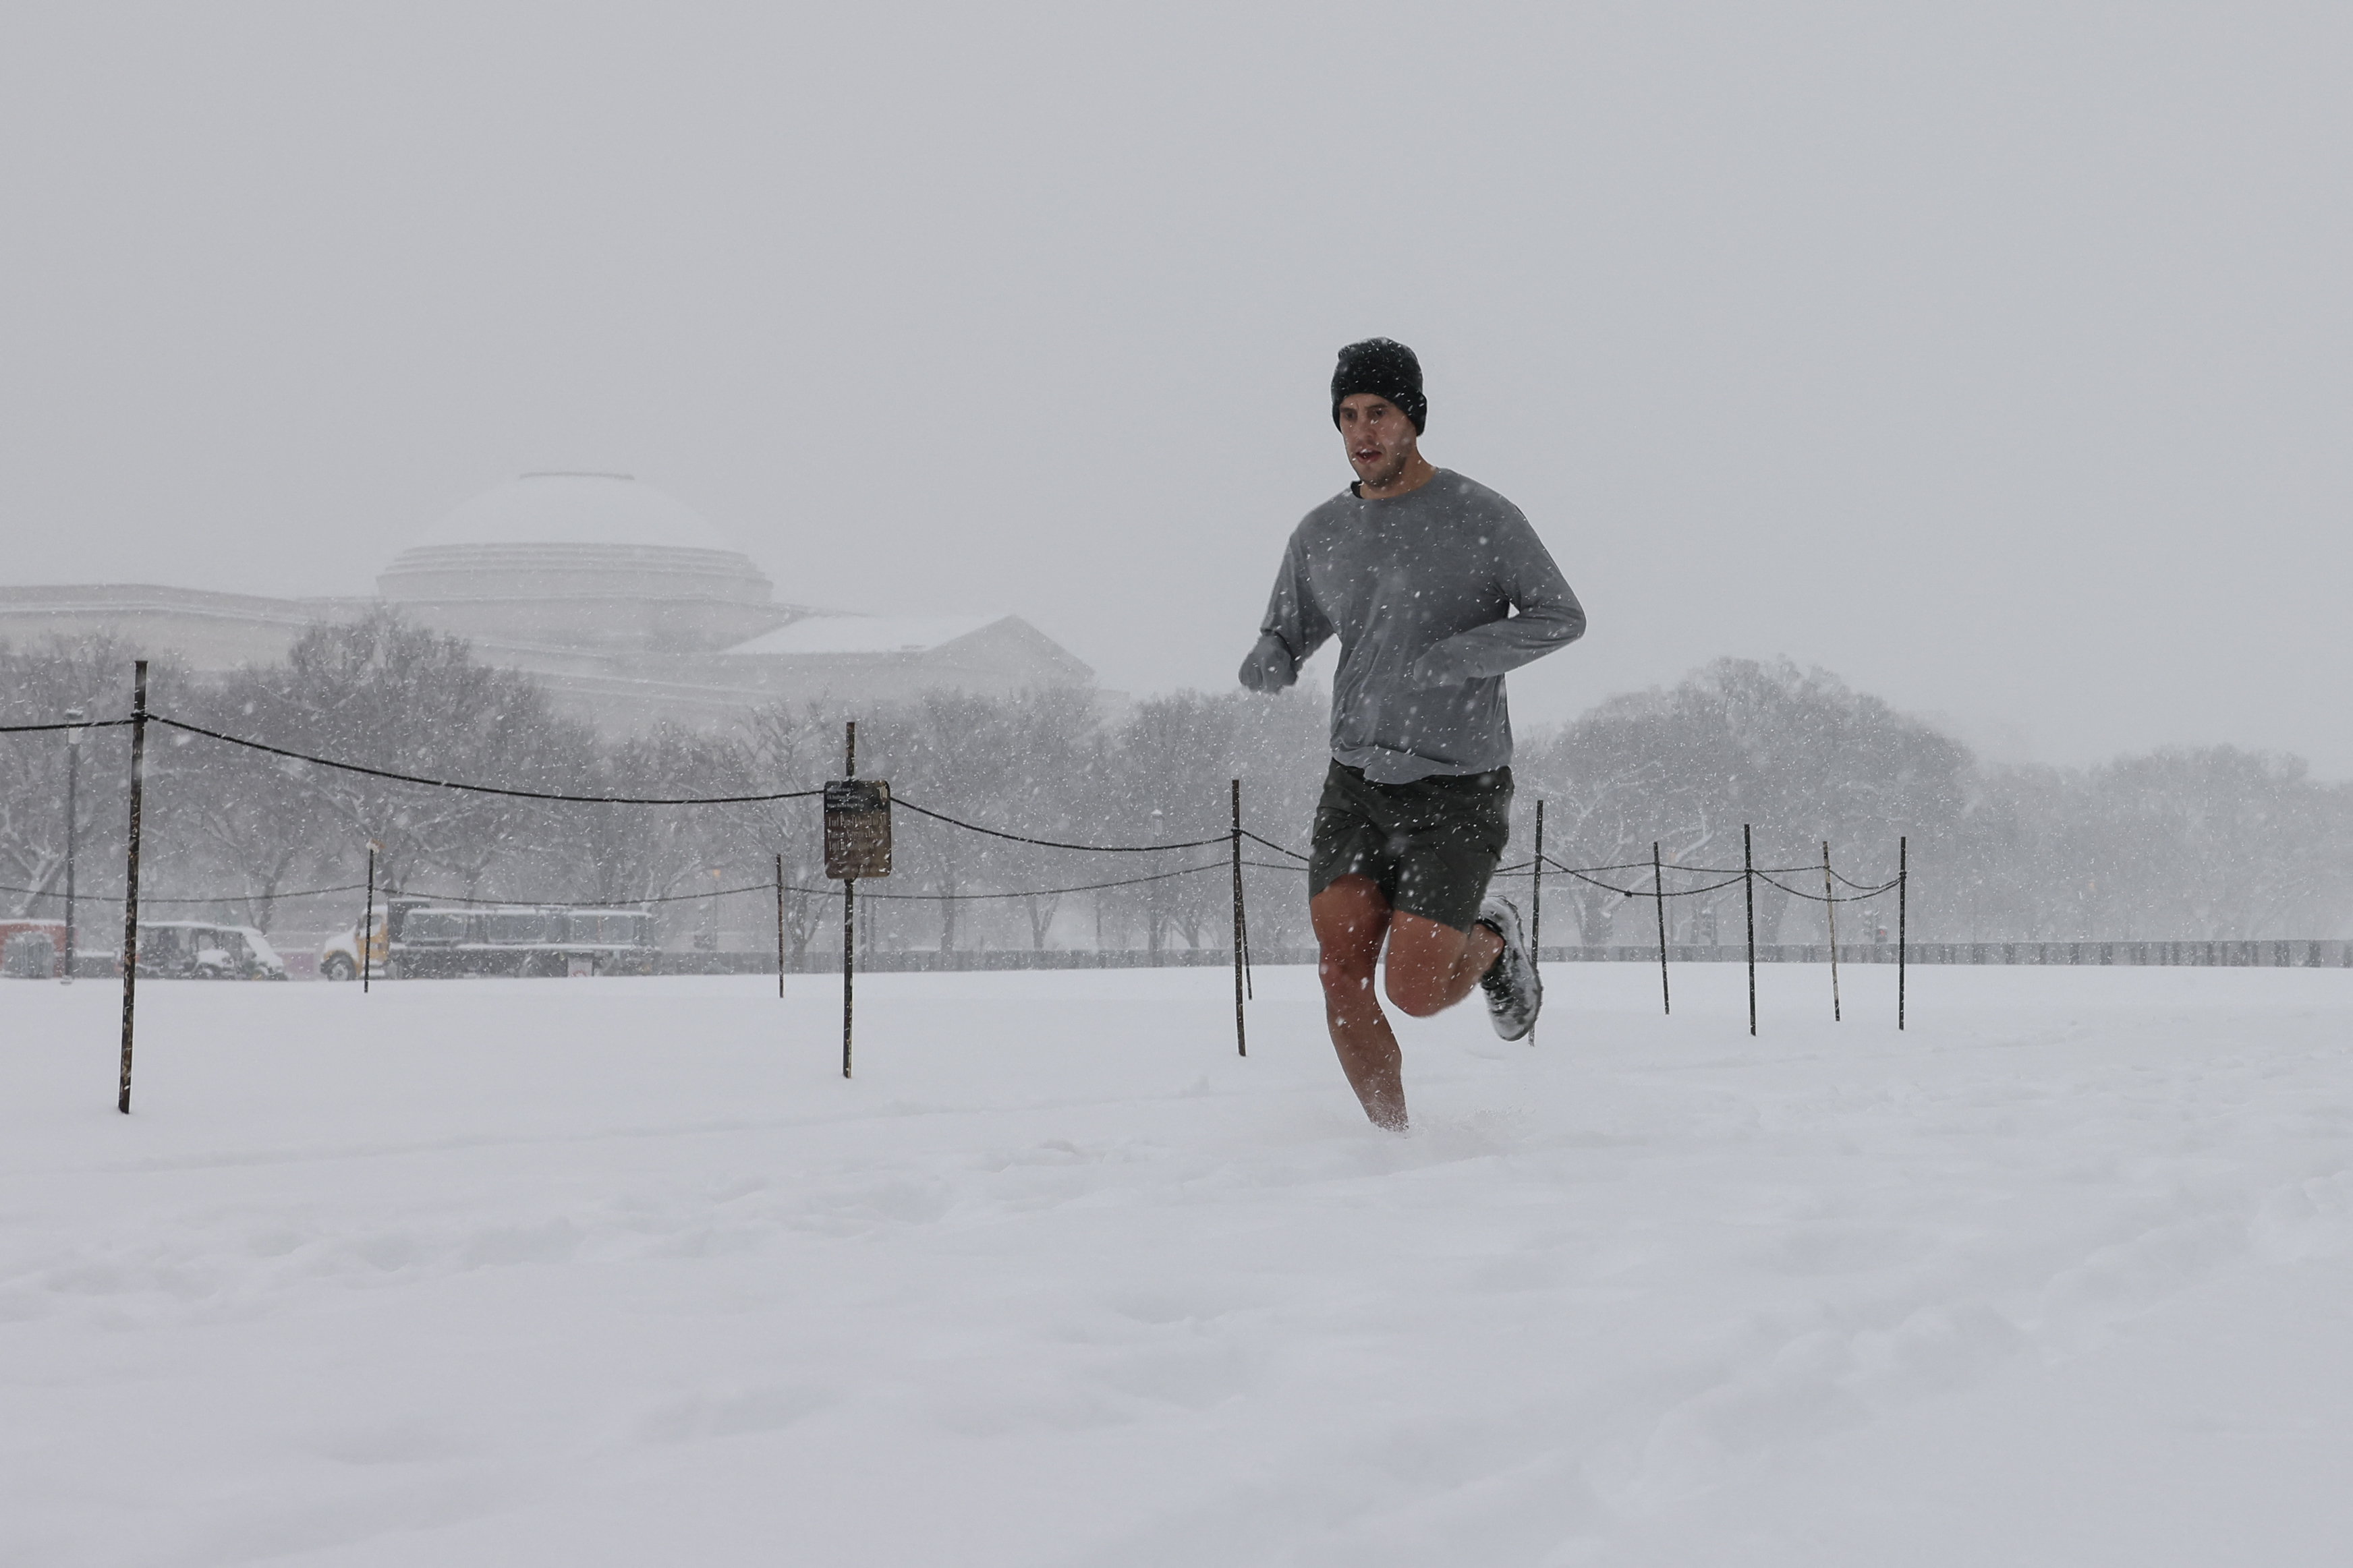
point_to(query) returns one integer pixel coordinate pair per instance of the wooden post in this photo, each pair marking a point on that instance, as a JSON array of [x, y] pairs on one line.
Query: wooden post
[[849, 912], [1748, 889], [73, 900], [131, 873], [780, 923], [367, 926], [1659, 898], [1902, 887], [1829, 913], [849, 962], [1241, 936], [1536, 908]]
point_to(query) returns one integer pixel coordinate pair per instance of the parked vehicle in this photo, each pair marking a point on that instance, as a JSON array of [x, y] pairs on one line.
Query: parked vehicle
[[21, 938], [420, 939], [340, 958], [196, 950], [32, 950]]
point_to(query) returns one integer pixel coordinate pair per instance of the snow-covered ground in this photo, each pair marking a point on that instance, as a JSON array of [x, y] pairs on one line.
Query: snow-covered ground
[[621, 1272]]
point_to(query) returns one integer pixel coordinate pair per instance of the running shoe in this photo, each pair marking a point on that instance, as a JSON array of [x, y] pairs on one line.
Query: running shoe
[[1514, 990]]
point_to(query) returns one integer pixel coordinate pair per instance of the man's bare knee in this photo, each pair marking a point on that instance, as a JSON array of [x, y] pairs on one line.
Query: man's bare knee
[[1347, 975]]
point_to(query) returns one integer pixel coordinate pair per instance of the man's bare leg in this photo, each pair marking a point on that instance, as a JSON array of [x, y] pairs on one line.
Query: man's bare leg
[[1430, 968], [1350, 918]]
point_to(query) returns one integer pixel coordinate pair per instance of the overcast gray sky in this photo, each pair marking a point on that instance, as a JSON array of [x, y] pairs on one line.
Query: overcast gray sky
[[1998, 357]]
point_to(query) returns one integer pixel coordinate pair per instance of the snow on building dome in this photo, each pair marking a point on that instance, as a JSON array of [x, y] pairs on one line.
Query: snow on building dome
[[582, 561], [576, 508]]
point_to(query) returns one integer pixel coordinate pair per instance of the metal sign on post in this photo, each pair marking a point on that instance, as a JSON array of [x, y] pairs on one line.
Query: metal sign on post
[[857, 829]]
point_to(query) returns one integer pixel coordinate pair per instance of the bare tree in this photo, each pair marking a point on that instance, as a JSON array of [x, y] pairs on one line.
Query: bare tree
[[383, 693], [38, 686]]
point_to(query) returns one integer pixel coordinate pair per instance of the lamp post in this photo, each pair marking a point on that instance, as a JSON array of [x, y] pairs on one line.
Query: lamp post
[[367, 926], [73, 774]]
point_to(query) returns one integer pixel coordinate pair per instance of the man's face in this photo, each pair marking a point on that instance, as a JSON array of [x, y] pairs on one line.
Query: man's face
[[1379, 439]]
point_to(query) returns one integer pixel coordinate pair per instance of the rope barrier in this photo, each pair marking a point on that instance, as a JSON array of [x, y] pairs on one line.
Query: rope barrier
[[1032, 893], [1580, 874], [1715, 887], [1717, 870], [1058, 844], [1271, 844], [486, 789], [1732, 877], [1826, 898], [66, 724], [824, 892], [1512, 868], [830, 892], [208, 899], [1670, 865], [1622, 892], [390, 892]]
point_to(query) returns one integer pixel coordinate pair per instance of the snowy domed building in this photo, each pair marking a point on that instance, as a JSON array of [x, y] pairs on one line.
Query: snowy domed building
[[582, 561], [628, 606]]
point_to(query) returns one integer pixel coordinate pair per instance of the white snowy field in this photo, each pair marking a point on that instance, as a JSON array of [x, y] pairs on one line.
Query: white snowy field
[[622, 1272]]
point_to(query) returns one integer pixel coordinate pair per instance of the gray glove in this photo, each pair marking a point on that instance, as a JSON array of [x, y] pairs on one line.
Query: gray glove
[[1269, 666]]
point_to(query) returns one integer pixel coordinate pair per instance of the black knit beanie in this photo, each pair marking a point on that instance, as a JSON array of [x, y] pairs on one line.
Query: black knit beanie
[[1384, 369]]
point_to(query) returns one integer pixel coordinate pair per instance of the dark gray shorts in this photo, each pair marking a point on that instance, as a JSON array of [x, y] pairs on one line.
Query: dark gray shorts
[[1431, 845]]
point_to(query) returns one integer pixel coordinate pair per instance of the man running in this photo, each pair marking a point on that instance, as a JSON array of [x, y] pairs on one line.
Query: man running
[[1416, 570]]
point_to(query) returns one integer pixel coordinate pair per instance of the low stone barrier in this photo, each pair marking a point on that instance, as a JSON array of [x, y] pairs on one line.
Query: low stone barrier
[[2297, 953]]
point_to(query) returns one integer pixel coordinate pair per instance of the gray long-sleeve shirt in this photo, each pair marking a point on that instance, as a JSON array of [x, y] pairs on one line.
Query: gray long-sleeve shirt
[[1420, 589]]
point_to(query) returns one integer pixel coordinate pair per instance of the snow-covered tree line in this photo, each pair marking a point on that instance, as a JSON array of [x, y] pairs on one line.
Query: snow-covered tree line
[[2178, 844], [2213, 842]]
